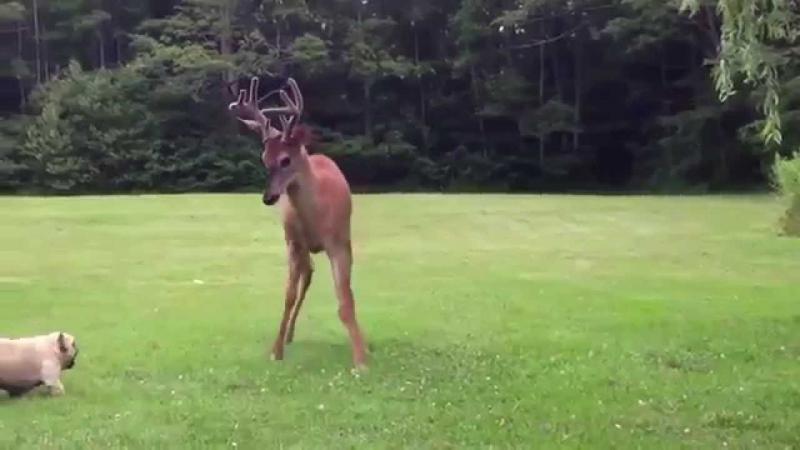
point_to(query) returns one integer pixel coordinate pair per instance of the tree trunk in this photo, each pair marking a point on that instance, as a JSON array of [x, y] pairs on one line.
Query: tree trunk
[[576, 134], [423, 109], [542, 138], [662, 66], [557, 73], [559, 87], [101, 42], [20, 80], [37, 41], [663, 74], [22, 101], [226, 38], [506, 50], [118, 45], [541, 74], [19, 40], [367, 108], [542, 63], [422, 99], [476, 99], [116, 31], [45, 56], [724, 168], [724, 171], [416, 45], [421, 87], [484, 141], [278, 38]]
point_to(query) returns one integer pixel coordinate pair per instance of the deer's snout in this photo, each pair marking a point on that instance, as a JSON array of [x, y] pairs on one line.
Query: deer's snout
[[270, 199]]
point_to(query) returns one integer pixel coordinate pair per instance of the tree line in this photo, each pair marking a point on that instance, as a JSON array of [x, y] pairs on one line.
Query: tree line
[[118, 96]]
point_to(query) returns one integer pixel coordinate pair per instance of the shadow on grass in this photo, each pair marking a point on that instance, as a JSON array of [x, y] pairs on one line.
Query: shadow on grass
[[395, 361]]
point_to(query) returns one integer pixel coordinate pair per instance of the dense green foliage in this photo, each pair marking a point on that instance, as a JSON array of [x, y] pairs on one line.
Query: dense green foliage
[[534, 94], [559, 331], [755, 45], [787, 173]]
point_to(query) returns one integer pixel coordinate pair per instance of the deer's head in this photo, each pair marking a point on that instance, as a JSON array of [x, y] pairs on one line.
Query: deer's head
[[283, 149]]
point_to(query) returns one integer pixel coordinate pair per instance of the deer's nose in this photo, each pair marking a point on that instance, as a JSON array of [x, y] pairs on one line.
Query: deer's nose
[[269, 199]]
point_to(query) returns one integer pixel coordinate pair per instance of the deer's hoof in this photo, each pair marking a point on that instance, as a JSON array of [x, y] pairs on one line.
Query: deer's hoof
[[276, 355], [360, 368]]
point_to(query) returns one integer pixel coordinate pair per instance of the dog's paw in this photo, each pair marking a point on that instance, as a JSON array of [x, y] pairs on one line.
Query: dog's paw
[[56, 390]]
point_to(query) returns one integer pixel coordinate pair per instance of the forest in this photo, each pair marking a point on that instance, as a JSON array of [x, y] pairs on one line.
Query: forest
[[103, 96]]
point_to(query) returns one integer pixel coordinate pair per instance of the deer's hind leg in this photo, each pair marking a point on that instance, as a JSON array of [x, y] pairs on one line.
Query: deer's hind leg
[[341, 258]]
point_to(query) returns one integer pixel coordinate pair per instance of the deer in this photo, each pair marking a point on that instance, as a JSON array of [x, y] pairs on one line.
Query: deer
[[315, 204]]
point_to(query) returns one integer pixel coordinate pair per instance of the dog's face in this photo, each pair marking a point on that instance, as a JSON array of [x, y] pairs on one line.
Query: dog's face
[[67, 348]]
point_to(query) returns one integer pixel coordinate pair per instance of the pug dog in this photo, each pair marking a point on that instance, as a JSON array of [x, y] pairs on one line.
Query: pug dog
[[29, 362]]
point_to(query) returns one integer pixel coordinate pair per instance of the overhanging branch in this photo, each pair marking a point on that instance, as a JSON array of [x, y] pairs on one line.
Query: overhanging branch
[[548, 40]]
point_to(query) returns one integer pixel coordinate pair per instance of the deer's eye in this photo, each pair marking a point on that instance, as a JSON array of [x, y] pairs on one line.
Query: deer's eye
[[284, 162]]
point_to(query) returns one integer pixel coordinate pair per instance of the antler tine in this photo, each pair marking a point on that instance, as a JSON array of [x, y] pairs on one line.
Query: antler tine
[[254, 91], [287, 115], [288, 100], [239, 100], [286, 122], [296, 103], [293, 106], [268, 95], [246, 97], [247, 106], [292, 109], [298, 96], [279, 110]]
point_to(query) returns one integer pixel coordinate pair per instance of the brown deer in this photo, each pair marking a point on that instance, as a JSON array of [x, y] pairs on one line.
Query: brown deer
[[315, 204]]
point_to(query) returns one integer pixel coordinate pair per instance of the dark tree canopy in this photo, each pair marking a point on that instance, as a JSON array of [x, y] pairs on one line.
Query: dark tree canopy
[[114, 96]]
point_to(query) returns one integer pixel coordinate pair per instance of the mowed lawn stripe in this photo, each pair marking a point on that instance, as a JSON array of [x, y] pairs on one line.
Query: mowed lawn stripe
[[525, 321]]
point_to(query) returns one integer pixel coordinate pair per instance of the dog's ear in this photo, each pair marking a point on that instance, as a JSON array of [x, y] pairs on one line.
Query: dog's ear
[[62, 343]]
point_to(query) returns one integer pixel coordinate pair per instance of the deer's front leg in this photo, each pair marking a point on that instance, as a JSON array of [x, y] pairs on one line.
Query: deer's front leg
[[295, 254], [306, 273], [341, 264]]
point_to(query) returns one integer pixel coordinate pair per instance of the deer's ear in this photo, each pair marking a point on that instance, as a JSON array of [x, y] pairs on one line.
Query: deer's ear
[[251, 124], [300, 135], [273, 133]]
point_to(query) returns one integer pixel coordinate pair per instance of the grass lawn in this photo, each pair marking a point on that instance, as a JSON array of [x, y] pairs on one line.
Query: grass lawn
[[493, 321]]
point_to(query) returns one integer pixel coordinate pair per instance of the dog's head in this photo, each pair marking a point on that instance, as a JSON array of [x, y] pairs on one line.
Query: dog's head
[[67, 349]]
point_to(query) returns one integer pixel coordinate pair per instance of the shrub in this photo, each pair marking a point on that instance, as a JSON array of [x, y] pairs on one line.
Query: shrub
[[14, 173], [155, 124], [88, 136], [787, 177]]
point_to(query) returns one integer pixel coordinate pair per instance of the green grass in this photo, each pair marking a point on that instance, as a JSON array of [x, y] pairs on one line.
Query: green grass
[[504, 321]]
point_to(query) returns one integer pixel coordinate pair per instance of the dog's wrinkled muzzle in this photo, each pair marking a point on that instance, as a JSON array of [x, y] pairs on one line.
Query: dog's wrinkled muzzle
[[71, 363]]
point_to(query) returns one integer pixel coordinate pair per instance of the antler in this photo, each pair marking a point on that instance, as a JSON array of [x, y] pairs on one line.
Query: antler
[[293, 109], [248, 112], [246, 107]]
